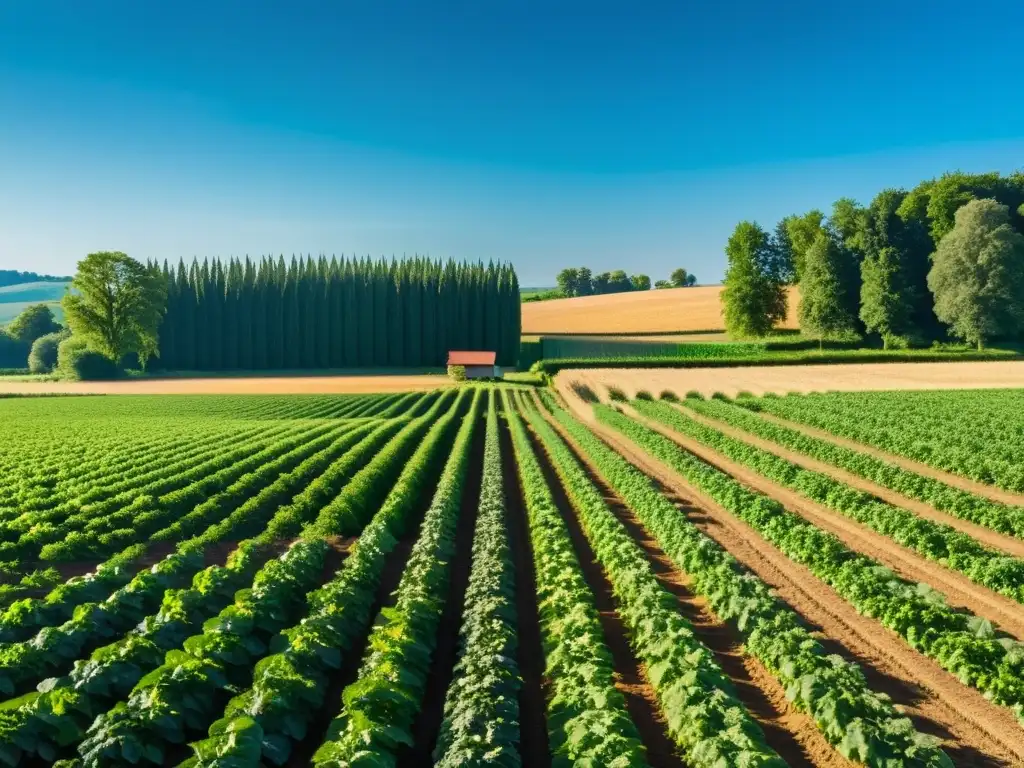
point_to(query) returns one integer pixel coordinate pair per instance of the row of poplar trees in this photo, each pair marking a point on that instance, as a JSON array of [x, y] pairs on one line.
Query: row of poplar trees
[[335, 313]]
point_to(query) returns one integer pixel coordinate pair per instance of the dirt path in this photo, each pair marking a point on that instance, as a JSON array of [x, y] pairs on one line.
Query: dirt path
[[963, 483], [960, 591], [428, 723], [533, 730], [847, 377], [270, 385], [791, 733], [986, 536], [630, 677], [975, 732]]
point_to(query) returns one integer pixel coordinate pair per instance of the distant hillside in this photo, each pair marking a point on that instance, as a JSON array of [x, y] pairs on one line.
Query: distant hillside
[[14, 298], [13, 277]]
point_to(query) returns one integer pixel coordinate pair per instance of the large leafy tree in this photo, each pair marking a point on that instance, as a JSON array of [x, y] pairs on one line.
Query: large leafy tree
[[894, 296], [824, 298], [802, 231], [640, 282], [977, 276], [753, 298], [34, 322], [117, 305]]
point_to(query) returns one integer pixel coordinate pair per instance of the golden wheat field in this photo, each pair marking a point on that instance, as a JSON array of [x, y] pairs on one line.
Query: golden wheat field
[[666, 311]]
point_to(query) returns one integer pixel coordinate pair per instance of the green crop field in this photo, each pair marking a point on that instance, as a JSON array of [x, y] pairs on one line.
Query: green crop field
[[497, 575]]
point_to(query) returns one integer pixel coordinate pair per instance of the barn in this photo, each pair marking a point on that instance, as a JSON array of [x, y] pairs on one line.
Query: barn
[[478, 365]]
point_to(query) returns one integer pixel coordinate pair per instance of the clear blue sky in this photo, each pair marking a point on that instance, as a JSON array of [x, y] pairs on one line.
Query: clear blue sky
[[618, 135]]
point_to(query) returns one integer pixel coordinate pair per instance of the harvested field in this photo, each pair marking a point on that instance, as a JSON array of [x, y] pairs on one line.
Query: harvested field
[[257, 385], [805, 378], [670, 311]]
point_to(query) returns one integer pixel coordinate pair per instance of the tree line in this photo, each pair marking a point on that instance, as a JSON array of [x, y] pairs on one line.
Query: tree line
[[945, 258], [581, 281], [335, 313], [269, 314], [13, 277]]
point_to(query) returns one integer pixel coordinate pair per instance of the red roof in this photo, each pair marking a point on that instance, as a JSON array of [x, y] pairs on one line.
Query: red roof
[[472, 358]]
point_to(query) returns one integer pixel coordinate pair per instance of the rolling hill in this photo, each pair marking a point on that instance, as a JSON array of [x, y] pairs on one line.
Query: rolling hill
[[14, 298]]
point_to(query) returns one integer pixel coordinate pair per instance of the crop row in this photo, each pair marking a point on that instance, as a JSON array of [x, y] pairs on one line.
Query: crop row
[[1000, 517], [60, 715], [961, 440], [379, 709], [860, 723], [481, 710], [936, 541], [26, 616], [964, 645], [265, 721], [587, 717], [46, 653], [703, 716], [182, 696]]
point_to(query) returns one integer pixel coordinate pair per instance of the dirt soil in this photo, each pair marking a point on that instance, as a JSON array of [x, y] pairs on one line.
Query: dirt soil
[[963, 483], [669, 310], [986, 536], [788, 731], [974, 731], [958, 589], [852, 377], [281, 385], [630, 676]]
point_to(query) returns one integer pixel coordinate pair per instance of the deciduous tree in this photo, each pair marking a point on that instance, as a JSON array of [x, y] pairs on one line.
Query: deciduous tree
[[117, 305], [824, 303], [977, 276], [753, 299]]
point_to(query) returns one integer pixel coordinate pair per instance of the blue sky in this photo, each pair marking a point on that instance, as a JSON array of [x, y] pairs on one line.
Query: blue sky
[[617, 135]]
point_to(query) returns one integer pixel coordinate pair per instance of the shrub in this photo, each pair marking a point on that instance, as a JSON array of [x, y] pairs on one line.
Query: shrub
[[457, 372], [669, 396], [43, 357], [693, 394], [76, 361], [13, 353], [617, 394], [643, 394]]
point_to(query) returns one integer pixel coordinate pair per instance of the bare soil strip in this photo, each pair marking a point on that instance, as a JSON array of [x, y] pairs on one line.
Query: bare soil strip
[[986, 536], [533, 729], [847, 377], [975, 731], [963, 483], [394, 567], [254, 385], [630, 677], [428, 724], [960, 591], [788, 731]]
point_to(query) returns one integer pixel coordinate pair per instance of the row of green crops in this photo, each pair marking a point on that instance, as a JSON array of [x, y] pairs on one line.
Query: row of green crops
[[379, 709], [964, 645], [977, 434], [860, 723], [26, 616], [481, 709], [182, 697], [703, 716], [216, 407], [1004, 518], [587, 718], [264, 722], [936, 541], [53, 648]]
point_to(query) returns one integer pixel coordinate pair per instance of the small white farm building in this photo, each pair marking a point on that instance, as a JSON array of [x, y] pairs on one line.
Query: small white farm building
[[478, 365]]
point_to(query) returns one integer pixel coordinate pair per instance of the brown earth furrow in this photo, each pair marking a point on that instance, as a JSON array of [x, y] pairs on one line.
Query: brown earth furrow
[[986, 536], [960, 591], [957, 481], [974, 731], [791, 733], [630, 675]]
